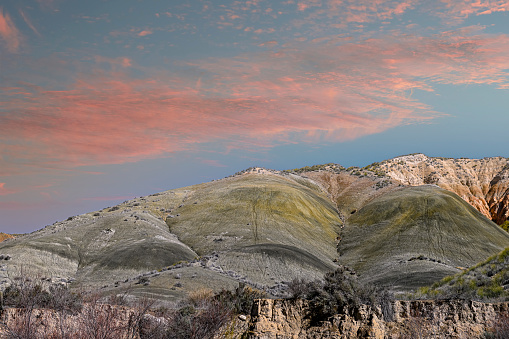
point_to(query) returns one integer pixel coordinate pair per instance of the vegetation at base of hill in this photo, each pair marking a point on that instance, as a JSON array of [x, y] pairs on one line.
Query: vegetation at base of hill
[[505, 226], [201, 315], [339, 292], [486, 281], [90, 315]]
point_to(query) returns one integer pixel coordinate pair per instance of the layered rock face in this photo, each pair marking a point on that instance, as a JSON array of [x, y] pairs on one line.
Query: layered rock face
[[412, 319], [484, 183], [4, 236]]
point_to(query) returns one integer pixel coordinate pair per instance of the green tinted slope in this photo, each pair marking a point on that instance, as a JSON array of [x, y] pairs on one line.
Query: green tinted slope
[[255, 228], [488, 280], [417, 235], [267, 227], [94, 250]]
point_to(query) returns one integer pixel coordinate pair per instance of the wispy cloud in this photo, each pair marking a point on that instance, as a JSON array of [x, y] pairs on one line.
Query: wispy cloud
[[456, 11], [304, 92], [9, 33], [120, 61], [4, 190], [145, 33], [29, 22]]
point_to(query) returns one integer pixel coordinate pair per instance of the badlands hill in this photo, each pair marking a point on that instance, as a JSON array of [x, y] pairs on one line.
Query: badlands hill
[[483, 183], [264, 228]]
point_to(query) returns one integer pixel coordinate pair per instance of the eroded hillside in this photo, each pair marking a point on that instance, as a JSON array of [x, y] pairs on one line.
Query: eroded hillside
[[483, 183], [264, 228], [259, 229], [417, 235]]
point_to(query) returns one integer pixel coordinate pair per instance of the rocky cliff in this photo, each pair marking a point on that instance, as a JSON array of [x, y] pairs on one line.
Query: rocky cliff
[[4, 236], [412, 319], [484, 183]]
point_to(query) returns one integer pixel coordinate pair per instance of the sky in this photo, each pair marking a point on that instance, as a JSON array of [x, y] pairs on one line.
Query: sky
[[106, 100]]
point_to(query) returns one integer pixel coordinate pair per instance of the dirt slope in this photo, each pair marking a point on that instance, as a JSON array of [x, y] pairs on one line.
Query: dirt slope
[[417, 235], [256, 228], [265, 227], [483, 183]]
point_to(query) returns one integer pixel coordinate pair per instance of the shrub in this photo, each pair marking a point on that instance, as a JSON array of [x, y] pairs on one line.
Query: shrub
[[240, 301], [25, 293], [198, 322], [298, 288], [487, 292], [200, 296], [340, 292]]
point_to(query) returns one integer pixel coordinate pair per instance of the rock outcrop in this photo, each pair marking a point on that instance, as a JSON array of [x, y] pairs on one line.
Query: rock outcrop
[[412, 319], [5, 236], [483, 183]]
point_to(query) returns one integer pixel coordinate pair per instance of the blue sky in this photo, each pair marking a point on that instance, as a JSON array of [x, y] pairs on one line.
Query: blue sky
[[102, 101]]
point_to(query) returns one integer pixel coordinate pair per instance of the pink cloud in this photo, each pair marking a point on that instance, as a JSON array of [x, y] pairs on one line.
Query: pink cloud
[[9, 33], [456, 11], [322, 91], [354, 11], [4, 190], [145, 33], [268, 43], [120, 61]]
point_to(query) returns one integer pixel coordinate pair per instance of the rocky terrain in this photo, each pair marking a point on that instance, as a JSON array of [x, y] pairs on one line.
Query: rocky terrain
[[271, 319], [400, 223], [290, 319], [483, 183], [4, 236]]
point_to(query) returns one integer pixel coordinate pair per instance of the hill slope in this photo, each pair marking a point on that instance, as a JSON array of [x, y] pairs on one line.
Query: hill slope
[[484, 183], [260, 229], [265, 227], [417, 235]]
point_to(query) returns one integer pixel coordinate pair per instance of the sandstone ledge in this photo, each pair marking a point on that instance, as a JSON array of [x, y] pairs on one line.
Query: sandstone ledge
[[283, 319]]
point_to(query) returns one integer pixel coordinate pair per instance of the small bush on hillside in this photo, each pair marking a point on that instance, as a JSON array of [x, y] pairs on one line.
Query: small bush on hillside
[[505, 226], [204, 313], [298, 288], [241, 300], [340, 292], [197, 322], [25, 293]]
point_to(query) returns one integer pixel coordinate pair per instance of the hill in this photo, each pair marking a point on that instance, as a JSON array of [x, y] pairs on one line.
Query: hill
[[483, 183], [417, 235], [264, 228], [258, 229]]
